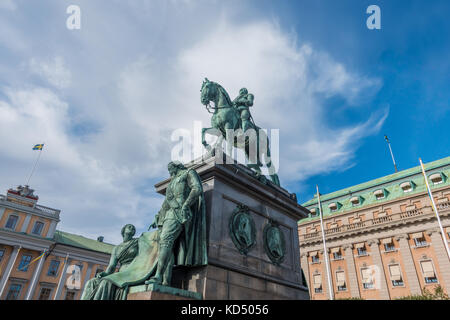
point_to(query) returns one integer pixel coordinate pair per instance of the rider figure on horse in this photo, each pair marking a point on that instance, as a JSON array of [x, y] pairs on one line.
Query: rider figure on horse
[[242, 103]]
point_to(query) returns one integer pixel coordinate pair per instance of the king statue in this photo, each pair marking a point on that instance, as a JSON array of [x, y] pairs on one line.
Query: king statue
[[181, 223], [242, 103]]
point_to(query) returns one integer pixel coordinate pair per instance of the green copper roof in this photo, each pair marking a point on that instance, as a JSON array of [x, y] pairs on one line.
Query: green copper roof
[[389, 185], [75, 240]]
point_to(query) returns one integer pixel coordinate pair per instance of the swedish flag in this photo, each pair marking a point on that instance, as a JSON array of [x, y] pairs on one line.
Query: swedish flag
[[38, 147]]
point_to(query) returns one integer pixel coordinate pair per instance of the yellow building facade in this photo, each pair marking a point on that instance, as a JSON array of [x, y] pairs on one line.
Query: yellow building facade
[[382, 237], [37, 261]]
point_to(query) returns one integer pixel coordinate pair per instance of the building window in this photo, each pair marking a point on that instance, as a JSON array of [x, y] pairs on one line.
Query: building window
[[361, 249], [335, 206], [315, 259], [53, 269], [388, 247], [380, 194], [428, 271], [407, 186], [396, 275], [340, 281], [37, 228], [24, 263], [2, 253], [12, 222], [367, 279], [437, 178], [70, 295], [336, 253], [45, 294], [317, 283], [356, 201], [420, 242], [14, 292]]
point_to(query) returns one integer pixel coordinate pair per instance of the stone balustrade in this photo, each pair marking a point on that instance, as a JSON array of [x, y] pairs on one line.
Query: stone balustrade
[[398, 216]]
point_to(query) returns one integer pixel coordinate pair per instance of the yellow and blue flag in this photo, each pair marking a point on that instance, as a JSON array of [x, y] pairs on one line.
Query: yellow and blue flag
[[38, 147]]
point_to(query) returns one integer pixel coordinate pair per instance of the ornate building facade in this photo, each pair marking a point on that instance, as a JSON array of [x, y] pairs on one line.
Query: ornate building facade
[[36, 260], [383, 239]]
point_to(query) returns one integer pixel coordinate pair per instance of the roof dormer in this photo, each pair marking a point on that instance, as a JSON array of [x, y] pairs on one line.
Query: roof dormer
[[380, 193], [356, 200], [437, 178]]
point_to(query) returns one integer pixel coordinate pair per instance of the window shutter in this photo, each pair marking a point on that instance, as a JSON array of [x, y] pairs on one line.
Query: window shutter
[[427, 268], [366, 276], [417, 235], [317, 281], [313, 253], [340, 278], [335, 250], [395, 272]]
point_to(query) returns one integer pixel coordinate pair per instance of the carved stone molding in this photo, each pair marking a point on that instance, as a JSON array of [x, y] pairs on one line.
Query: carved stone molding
[[401, 236], [347, 246], [432, 231], [373, 242]]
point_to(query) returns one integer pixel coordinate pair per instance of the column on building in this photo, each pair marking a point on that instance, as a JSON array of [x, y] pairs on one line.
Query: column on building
[[441, 256], [86, 278], [35, 279], [62, 280], [376, 257], [408, 263], [9, 266], [26, 223], [351, 271]]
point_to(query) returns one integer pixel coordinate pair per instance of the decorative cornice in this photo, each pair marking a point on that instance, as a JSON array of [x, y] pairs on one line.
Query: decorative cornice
[[401, 236], [430, 232]]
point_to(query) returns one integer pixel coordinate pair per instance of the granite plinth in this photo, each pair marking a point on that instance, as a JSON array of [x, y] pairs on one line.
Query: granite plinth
[[229, 273], [154, 291]]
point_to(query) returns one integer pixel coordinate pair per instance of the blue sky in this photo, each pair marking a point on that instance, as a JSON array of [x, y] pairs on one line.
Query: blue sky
[[106, 98]]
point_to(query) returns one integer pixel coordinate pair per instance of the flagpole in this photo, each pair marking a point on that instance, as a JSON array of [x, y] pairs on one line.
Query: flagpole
[[430, 194], [61, 276], [392, 154], [325, 253], [35, 164]]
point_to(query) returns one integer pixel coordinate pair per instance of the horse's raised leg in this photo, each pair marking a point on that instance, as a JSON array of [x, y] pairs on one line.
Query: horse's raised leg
[[211, 150]]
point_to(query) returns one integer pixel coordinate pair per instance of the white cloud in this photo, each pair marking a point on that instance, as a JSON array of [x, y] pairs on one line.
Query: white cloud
[[135, 97], [54, 71]]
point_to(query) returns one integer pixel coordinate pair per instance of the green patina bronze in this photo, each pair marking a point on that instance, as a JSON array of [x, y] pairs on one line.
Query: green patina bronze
[[274, 242], [182, 224], [242, 229], [179, 240], [235, 115]]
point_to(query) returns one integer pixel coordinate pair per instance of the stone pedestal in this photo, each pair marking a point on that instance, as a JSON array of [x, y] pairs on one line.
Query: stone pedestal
[[256, 274], [160, 292]]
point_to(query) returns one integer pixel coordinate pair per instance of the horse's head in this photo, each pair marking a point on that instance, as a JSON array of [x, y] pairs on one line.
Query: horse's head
[[245, 231], [208, 92]]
